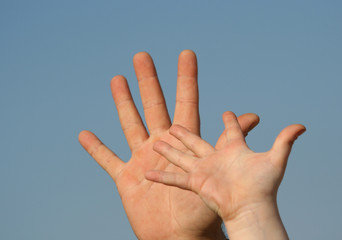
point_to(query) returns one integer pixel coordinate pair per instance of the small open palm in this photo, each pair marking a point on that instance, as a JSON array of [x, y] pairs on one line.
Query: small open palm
[[231, 178]]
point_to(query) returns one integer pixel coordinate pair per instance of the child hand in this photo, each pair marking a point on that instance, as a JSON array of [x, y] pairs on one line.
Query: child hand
[[232, 180]]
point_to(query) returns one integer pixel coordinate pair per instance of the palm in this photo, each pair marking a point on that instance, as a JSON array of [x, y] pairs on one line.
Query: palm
[[228, 184], [156, 211]]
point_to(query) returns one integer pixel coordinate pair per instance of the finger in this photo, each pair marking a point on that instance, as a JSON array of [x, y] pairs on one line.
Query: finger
[[233, 129], [129, 116], [247, 122], [180, 159], [155, 110], [108, 160], [172, 179], [193, 142], [282, 145], [186, 110]]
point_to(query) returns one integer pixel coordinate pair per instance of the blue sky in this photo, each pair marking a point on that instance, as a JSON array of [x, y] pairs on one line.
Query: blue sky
[[279, 59]]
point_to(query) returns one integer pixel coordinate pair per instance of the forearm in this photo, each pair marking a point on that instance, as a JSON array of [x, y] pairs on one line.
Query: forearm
[[260, 221]]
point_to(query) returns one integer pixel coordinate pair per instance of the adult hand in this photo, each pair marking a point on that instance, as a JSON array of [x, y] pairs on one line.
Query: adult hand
[[157, 211]]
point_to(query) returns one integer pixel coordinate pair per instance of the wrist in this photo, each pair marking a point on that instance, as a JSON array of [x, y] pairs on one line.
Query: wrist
[[220, 236], [257, 221], [215, 233]]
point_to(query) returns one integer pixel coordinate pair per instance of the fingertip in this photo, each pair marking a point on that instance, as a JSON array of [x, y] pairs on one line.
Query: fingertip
[[255, 121], [157, 145], [143, 65], [149, 174], [117, 79], [118, 83], [296, 130], [87, 139], [141, 56], [247, 122], [255, 117], [153, 175], [187, 69], [176, 130], [302, 129], [188, 53], [119, 87], [288, 136], [161, 147], [227, 116], [82, 135], [283, 144]]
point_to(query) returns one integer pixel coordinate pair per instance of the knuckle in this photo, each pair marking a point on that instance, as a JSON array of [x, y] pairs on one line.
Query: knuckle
[[153, 104]]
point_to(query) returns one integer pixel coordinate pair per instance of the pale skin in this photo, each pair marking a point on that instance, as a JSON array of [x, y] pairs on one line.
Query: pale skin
[[157, 211], [235, 182]]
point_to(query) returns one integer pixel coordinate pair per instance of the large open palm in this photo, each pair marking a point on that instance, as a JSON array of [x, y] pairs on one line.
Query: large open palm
[[156, 211]]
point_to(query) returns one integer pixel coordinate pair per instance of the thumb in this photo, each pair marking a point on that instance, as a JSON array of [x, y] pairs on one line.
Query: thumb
[[282, 145]]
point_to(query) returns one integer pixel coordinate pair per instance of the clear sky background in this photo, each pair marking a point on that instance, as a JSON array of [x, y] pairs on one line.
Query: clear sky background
[[279, 59]]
